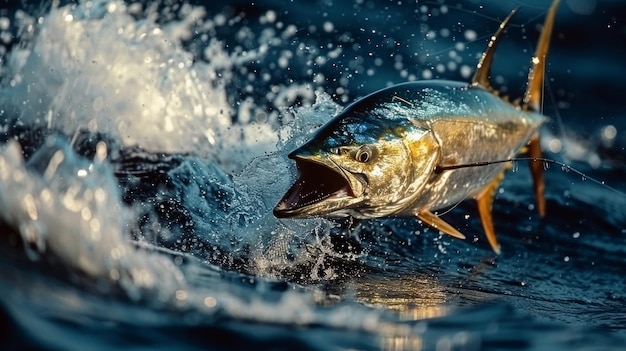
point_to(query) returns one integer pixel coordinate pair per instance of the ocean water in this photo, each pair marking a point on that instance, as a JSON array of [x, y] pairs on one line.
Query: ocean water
[[143, 147]]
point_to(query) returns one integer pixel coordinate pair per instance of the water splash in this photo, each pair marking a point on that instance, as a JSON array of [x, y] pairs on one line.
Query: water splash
[[67, 208], [94, 66]]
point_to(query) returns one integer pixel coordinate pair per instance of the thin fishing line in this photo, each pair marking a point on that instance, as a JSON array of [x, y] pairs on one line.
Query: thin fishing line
[[453, 207], [557, 113], [75, 136], [495, 19], [565, 167]]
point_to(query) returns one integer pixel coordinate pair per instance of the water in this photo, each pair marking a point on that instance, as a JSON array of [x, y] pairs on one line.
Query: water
[[144, 146]]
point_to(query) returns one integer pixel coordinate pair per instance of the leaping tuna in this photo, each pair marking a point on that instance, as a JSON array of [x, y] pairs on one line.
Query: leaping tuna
[[405, 150]]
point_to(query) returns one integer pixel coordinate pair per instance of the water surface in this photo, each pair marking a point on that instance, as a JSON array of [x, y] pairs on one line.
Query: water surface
[[144, 146]]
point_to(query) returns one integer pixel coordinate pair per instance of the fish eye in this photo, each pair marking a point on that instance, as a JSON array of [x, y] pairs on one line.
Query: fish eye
[[365, 153]]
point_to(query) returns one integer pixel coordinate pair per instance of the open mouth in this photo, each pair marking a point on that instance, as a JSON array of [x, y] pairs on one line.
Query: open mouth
[[316, 182]]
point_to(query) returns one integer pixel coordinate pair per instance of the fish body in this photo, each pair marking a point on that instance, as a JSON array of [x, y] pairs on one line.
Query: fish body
[[453, 122], [407, 150]]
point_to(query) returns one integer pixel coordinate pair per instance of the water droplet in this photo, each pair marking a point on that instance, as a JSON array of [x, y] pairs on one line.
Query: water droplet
[[514, 167], [210, 301], [609, 133], [181, 295], [470, 35]]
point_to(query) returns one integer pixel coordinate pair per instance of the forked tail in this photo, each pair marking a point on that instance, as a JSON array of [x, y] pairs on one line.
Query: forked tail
[[532, 101]]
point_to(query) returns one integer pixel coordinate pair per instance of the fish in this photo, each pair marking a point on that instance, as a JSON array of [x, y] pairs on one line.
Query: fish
[[416, 148]]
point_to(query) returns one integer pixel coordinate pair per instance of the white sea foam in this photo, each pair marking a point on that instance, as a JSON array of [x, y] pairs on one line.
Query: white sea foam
[[93, 66], [69, 209]]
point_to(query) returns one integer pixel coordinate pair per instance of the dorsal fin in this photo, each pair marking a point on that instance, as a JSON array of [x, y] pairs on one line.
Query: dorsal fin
[[534, 94], [483, 69]]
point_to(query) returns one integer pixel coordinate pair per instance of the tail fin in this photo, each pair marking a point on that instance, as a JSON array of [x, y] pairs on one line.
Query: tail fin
[[534, 91], [533, 98]]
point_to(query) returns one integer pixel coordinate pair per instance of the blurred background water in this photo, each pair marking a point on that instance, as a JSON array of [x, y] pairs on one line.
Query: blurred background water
[[144, 145]]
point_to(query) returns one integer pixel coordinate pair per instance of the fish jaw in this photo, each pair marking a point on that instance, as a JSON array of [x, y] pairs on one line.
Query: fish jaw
[[322, 188]]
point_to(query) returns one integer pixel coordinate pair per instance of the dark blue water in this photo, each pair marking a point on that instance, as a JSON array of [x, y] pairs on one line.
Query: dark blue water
[[143, 148]]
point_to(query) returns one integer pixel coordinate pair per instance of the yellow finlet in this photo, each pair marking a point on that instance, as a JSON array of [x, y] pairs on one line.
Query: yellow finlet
[[436, 222]]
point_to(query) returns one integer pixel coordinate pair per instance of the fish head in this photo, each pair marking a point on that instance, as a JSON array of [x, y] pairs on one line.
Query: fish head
[[363, 166]]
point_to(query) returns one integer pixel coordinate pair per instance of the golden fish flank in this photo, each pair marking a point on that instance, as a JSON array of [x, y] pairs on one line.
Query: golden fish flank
[[408, 149]]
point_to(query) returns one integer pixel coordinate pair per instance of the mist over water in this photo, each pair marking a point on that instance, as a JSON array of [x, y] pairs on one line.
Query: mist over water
[[144, 146]]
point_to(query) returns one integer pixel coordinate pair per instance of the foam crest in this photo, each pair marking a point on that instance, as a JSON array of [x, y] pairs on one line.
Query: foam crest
[[68, 209], [93, 66]]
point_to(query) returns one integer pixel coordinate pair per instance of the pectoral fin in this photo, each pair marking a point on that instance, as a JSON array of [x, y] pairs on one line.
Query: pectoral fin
[[485, 201], [434, 221], [536, 168]]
